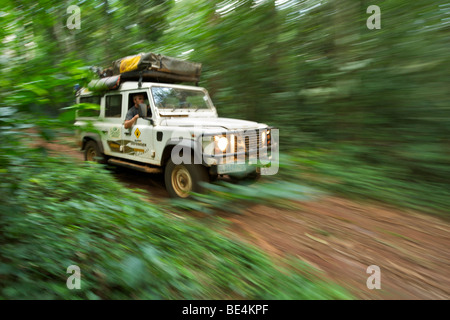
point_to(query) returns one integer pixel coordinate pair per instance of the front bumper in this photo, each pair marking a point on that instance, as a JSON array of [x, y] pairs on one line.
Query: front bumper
[[244, 151]]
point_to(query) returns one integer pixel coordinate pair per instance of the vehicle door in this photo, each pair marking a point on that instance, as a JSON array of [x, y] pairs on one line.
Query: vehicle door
[[112, 126], [138, 140]]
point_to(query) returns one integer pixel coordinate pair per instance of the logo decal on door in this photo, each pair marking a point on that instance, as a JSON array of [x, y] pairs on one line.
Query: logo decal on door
[[114, 132]]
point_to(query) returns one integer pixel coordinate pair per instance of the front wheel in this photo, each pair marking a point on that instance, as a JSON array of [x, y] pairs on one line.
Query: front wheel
[[181, 179]]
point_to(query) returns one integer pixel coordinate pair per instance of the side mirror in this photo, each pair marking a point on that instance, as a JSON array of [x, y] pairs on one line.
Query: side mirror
[[143, 108]]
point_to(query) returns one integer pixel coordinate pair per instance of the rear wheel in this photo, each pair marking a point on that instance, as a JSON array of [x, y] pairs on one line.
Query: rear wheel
[[181, 179], [92, 152]]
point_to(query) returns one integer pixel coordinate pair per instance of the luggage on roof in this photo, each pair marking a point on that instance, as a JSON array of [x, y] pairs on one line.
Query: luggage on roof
[[152, 66]]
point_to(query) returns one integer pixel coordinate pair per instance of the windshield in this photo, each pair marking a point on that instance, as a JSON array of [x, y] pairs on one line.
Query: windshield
[[174, 98]]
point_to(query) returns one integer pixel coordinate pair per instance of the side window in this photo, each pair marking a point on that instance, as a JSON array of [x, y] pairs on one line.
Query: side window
[[113, 106], [143, 95], [89, 112]]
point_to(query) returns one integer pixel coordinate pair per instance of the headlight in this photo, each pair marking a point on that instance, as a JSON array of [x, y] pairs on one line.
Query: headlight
[[263, 137], [221, 143], [268, 137]]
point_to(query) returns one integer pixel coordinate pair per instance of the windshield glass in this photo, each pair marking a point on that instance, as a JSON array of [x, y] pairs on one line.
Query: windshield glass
[[174, 98]]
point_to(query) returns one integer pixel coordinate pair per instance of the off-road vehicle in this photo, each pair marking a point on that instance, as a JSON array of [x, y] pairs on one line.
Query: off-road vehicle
[[179, 133]]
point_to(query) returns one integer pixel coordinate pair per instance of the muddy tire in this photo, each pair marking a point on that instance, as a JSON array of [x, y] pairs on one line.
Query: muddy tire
[[92, 152], [180, 179]]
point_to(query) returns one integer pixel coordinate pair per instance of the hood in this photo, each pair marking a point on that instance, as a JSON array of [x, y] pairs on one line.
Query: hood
[[227, 123]]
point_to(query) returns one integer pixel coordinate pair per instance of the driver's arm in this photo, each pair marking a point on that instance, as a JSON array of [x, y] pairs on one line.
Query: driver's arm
[[129, 123]]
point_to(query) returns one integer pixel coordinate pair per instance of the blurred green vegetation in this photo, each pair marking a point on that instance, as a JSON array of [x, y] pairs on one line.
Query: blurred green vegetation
[[237, 196], [376, 102], [56, 213], [364, 113]]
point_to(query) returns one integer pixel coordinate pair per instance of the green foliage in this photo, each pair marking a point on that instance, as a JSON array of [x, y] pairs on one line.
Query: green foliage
[[375, 100], [55, 213], [238, 196], [368, 110], [367, 173]]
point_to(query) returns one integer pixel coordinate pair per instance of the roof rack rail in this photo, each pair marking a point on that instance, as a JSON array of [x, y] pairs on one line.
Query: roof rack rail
[[156, 76]]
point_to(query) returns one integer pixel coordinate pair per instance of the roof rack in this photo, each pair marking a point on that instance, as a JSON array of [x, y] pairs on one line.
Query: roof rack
[[146, 67], [155, 66], [156, 76]]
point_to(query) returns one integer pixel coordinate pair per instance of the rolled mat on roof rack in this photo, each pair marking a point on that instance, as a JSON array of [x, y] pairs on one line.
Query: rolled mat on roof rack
[[103, 84]]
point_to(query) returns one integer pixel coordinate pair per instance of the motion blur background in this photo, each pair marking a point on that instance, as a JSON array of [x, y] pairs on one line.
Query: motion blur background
[[362, 113]]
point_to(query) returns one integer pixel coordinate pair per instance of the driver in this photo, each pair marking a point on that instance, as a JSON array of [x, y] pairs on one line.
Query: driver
[[134, 113]]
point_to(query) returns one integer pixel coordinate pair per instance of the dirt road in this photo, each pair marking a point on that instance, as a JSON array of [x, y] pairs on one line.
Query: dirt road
[[341, 238]]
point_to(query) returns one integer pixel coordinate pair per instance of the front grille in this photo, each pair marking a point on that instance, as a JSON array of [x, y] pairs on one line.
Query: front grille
[[245, 145], [245, 142], [252, 140]]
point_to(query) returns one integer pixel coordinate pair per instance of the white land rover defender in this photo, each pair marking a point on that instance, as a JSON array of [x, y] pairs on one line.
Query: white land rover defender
[[179, 132]]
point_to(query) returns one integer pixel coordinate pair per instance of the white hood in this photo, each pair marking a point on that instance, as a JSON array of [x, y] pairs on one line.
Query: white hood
[[227, 123]]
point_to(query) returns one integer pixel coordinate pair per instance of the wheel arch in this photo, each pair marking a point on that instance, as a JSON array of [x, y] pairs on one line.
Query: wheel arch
[[92, 137], [194, 147]]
